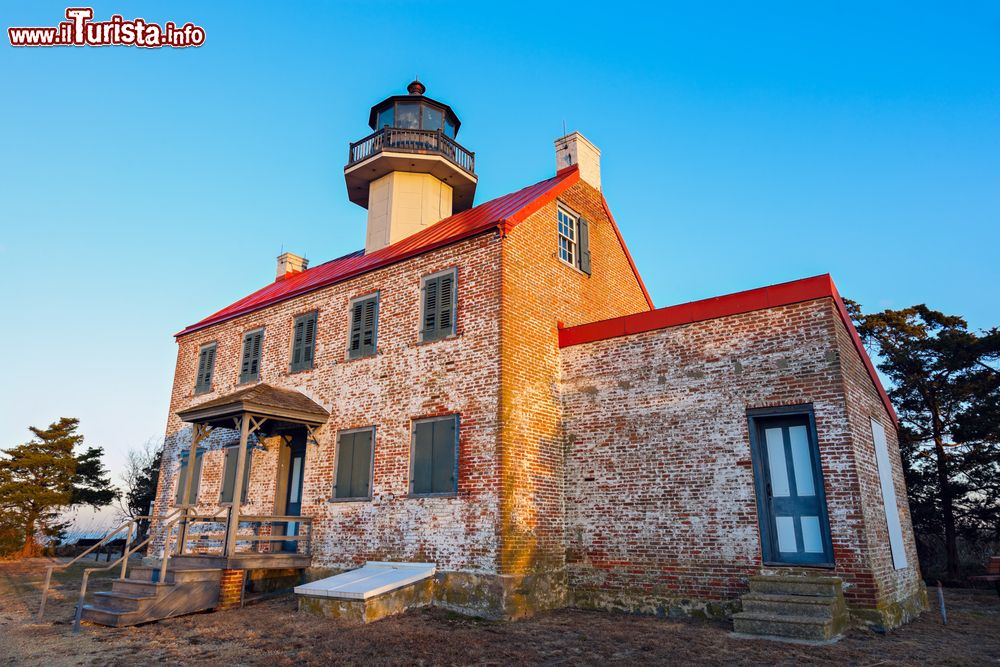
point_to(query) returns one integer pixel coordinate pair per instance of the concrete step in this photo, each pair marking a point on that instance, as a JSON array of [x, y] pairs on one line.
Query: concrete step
[[139, 587], [796, 585], [810, 606], [122, 601], [783, 625], [175, 575]]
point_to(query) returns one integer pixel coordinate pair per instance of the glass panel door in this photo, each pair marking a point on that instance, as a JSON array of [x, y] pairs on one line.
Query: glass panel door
[[293, 504], [794, 527]]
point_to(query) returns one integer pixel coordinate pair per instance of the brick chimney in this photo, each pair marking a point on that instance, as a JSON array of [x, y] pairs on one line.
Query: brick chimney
[[575, 148], [289, 263]]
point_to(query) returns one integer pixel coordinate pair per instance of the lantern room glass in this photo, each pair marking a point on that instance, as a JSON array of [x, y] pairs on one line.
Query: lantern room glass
[[415, 115]]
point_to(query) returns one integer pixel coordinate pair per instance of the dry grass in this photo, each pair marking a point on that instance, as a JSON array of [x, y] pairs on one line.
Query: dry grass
[[273, 633]]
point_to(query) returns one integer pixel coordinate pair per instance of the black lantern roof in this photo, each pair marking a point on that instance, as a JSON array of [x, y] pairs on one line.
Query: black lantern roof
[[414, 112]]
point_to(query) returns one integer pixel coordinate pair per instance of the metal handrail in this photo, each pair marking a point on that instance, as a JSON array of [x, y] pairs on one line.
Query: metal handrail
[[131, 523]]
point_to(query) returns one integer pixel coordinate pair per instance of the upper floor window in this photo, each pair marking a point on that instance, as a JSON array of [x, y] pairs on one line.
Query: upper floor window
[[206, 367], [303, 342], [364, 325], [253, 343], [574, 240], [434, 458], [439, 305]]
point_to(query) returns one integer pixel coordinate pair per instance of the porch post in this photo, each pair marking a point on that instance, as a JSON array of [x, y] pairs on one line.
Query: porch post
[[234, 509]]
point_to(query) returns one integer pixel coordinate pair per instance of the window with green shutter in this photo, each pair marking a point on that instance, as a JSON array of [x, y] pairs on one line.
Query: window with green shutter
[[439, 306], [434, 457], [253, 343], [354, 464], [303, 342], [206, 367], [179, 498], [229, 474], [362, 341]]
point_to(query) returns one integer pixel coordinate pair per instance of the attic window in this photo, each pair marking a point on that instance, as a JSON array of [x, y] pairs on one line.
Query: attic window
[[574, 240]]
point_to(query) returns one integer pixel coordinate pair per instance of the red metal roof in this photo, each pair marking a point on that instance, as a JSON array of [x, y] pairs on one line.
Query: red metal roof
[[783, 294], [503, 212]]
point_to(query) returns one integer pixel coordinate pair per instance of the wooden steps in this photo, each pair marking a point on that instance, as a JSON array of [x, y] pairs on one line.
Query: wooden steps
[[142, 598], [801, 607]]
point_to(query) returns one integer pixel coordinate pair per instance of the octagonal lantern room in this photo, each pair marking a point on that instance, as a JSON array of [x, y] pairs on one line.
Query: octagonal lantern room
[[417, 135]]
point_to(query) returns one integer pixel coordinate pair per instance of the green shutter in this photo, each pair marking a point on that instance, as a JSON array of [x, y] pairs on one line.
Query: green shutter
[[229, 474], [206, 365], [303, 342], [446, 302], [583, 256], [364, 321], [431, 295], [182, 477], [361, 468], [250, 363], [423, 446], [345, 465], [202, 361], [309, 342], [434, 456]]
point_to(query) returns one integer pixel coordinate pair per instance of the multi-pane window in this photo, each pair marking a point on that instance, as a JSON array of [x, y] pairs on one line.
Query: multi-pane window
[[434, 459], [364, 325], [354, 464], [229, 474], [250, 362], [206, 367], [303, 342], [574, 240], [439, 306], [180, 498]]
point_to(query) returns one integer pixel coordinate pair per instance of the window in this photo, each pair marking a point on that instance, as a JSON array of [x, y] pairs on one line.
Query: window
[[384, 118], [408, 115], [439, 306], [229, 473], [434, 459], [432, 118], [206, 366], [182, 477], [888, 496], [303, 342], [250, 365], [364, 325], [574, 240], [354, 464]]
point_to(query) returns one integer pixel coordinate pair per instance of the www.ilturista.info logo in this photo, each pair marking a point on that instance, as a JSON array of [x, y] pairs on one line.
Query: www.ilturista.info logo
[[80, 30]]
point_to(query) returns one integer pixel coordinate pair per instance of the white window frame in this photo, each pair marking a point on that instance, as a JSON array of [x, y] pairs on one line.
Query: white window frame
[[574, 242]]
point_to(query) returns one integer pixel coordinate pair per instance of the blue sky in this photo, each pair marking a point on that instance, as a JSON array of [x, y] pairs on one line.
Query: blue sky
[[743, 144]]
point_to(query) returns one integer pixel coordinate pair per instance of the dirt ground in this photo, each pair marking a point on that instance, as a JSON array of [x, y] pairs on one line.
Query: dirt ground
[[273, 633]]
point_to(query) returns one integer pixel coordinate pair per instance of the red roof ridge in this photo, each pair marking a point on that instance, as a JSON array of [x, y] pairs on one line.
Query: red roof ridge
[[738, 303], [503, 212]]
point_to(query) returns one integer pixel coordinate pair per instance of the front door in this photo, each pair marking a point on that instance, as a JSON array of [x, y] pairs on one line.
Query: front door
[[293, 499], [791, 501]]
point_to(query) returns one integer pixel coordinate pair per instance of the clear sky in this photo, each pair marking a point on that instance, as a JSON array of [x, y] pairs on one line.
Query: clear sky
[[743, 144]]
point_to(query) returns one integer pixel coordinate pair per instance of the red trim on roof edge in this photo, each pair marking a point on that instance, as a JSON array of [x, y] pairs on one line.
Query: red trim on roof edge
[[628, 255], [503, 213], [783, 294]]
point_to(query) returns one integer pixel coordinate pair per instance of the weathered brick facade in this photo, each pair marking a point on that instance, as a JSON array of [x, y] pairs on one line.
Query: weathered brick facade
[[661, 509], [611, 473]]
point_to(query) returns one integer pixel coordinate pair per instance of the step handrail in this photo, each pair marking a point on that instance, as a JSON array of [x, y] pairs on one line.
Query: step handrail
[[131, 523], [166, 527]]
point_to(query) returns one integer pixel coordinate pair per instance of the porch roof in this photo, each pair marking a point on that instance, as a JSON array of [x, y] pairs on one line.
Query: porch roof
[[261, 400]]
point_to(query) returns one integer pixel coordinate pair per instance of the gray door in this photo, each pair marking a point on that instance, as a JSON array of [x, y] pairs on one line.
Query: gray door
[[293, 501], [792, 505]]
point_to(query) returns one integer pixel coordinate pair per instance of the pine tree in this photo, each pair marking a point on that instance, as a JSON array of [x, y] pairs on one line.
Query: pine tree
[[40, 479], [946, 389]]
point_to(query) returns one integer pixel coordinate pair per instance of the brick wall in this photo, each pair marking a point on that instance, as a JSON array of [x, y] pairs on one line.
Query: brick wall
[[539, 291], [405, 380], [660, 501]]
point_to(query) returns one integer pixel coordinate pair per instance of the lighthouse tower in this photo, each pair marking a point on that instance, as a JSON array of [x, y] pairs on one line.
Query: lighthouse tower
[[410, 172]]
